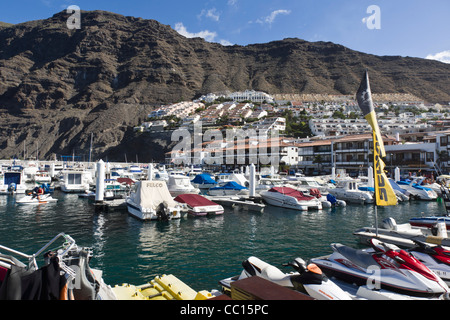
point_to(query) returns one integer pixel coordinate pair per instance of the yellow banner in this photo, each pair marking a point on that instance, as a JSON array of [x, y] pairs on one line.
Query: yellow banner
[[384, 193]]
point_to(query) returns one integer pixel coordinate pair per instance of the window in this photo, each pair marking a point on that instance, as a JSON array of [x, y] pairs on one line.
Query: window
[[74, 178], [444, 141]]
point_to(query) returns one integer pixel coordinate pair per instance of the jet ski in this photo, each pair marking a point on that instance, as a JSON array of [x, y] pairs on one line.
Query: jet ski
[[308, 279], [384, 269], [43, 199], [436, 258]]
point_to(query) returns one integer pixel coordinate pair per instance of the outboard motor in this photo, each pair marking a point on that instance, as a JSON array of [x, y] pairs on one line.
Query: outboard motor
[[12, 187], [439, 229], [390, 224], [162, 212]]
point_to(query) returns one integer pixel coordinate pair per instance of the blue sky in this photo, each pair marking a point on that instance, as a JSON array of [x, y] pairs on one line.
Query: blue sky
[[415, 28]]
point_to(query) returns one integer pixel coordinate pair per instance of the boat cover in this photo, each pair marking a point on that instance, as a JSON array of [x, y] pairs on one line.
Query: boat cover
[[291, 192], [127, 181], [203, 179], [194, 200], [150, 194], [231, 185]]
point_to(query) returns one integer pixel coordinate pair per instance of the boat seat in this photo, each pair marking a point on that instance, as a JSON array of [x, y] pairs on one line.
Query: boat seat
[[358, 257]]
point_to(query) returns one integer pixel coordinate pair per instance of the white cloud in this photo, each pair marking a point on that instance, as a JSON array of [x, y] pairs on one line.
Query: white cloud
[[225, 42], [232, 2], [205, 34], [211, 13], [271, 18], [443, 56]]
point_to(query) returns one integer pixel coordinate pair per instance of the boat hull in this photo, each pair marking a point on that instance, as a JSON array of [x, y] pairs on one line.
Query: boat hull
[[289, 202], [145, 214]]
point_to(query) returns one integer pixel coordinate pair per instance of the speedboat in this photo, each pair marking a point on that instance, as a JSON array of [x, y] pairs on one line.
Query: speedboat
[[404, 234], [197, 205], [290, 198], [399, 191], [415, 190], [179, 184], [349, 191], [204, 181], [307, 279], [230, 188], [429, 222], [384, 269], [308, 183], [43, 199], [151, 200], [265, 184]]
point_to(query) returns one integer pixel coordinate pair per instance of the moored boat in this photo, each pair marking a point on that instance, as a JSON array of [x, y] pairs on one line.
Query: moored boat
[[417, 191], [290, 198], [349, 191], [204, 181], [180, 184], [230, 188], [151, 200], [197, 205], [75, 181]]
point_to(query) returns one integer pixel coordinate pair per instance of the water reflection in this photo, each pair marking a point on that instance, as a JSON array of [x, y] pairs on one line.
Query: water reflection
[[199, 251]]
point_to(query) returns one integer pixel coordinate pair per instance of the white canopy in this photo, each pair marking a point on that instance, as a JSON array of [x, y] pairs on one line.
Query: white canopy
[[150, 194]]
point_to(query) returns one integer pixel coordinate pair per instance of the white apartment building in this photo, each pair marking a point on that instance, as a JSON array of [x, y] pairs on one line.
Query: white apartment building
[[393, 125], [180, 110]]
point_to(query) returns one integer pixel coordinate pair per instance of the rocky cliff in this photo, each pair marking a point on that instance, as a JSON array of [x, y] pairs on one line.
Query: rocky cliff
[[58, 86]]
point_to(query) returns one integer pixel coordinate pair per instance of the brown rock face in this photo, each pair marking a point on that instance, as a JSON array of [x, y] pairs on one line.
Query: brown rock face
[[59, 86]]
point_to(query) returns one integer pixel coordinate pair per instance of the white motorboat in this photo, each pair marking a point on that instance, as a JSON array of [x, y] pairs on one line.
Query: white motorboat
[[204, 181], [307, 183], [405, 234], [230, 188], [12, 183], [151, 200], [179, 184], [290, 198], [349, 191], [42, 177], [73, 181], [265, 184], [416, 190], [197, 205], [399, 191], [37, 200]]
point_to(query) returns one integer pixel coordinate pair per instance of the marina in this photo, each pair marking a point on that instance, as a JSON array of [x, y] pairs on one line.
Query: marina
[[198, 251], [176, 244]]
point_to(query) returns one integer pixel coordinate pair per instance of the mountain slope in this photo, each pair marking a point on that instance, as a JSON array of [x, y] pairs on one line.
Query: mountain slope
[[57, 86]]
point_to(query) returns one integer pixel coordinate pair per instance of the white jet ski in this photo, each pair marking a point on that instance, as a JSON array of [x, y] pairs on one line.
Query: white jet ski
[[385, 268], [43, 199]]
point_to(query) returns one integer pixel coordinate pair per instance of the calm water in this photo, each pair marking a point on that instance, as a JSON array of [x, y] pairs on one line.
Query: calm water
[[199, 251]]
